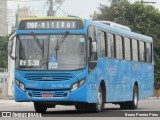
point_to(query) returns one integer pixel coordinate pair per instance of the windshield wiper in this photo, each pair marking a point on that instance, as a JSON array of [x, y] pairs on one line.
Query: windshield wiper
[[37, 41], [60, 42]]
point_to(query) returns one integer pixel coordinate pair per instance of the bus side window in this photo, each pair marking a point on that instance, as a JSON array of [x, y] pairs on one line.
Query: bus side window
[[110, 45], [134, 50], [148, 52], [127, 48], [119, 52], [141, 51], [101, 44]]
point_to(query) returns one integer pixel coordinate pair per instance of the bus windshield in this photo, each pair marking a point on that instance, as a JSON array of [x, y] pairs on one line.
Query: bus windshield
[[37, 52]]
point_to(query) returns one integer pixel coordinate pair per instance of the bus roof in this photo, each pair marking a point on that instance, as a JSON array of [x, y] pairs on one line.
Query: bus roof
[[120, 31], [51, 17]]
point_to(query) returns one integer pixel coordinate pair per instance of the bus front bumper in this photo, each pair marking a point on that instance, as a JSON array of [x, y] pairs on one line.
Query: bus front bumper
[[78, 95]]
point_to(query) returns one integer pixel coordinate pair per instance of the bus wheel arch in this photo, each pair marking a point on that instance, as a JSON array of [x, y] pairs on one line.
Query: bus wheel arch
[[135, 98], [136, 83], [133, 87], [101, 99], [133, 104], [103, 87]]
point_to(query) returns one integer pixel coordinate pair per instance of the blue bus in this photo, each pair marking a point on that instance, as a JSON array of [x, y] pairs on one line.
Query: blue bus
[[74, 61]]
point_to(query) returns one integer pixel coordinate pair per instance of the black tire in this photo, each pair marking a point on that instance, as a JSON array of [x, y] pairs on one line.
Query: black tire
[[134, 103], [124, 105], [99, 106], [39, 108], [81, 106], [131, 104]]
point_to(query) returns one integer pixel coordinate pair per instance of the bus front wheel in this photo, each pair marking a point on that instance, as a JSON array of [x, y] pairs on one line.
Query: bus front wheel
[[39, 108], [81, 106], [97, 107]]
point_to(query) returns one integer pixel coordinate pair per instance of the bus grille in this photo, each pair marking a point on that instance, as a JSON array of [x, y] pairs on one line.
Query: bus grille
[[55, 94], [48, 76]]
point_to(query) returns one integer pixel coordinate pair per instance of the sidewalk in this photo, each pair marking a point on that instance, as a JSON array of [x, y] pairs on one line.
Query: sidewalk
[[4, 103]]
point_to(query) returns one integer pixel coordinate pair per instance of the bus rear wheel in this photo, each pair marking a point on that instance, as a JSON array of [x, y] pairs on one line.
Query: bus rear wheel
[[134, 103], [39, 108], [131, 104]]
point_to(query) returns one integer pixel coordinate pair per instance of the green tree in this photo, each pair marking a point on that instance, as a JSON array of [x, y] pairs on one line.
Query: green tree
[[141, 18], [3, 52]]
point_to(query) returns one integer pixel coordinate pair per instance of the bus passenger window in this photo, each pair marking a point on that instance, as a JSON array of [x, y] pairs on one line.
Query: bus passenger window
[[127, 47], [134, 50], [148, 52], [119, 52], [141, 51], [101, 44], [110, 45]]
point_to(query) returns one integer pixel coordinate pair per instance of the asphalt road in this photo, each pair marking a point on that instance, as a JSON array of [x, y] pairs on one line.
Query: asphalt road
[[151, 104]]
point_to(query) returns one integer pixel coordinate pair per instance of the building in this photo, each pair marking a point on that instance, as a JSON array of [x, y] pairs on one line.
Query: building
[[24, 12], [3, 18], [3, 83]]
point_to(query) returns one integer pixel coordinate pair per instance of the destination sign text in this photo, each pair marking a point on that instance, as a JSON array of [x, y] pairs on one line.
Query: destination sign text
[[50, 24]]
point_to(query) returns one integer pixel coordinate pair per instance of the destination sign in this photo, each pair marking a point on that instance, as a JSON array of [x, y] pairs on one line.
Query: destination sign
[[50, 24]]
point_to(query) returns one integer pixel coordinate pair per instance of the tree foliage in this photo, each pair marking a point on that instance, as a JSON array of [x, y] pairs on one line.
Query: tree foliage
[[141, 18], [3, 52]]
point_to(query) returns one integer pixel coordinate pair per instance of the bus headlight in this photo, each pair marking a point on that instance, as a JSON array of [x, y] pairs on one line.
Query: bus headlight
[[78, 84], [82, 82], [17, 82], [20, 85], [74, 86]]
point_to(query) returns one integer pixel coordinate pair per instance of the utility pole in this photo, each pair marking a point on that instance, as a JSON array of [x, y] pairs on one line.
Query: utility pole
[[50, 11], [142, 2]]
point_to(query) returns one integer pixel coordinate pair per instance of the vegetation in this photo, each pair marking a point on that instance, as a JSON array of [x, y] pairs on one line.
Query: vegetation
[[141, 18], [3, 52]]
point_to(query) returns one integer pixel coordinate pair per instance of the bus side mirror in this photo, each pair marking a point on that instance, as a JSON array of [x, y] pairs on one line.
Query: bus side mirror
[[92, 49], [92, 53], [11, 47], [93, 45]]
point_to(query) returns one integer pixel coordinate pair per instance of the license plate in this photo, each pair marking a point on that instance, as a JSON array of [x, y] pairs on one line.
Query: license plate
[[53, 65], [47, 95]]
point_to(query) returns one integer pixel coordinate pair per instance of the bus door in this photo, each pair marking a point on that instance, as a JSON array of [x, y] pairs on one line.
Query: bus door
[[11, 63]]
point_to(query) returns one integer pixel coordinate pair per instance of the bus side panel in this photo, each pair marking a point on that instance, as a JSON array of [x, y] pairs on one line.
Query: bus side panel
[[136, 75], [147, 81], [126, 80], [118, 75], [94, 79]]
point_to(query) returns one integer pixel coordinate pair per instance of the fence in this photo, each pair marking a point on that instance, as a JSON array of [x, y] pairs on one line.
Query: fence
[[3, 83]]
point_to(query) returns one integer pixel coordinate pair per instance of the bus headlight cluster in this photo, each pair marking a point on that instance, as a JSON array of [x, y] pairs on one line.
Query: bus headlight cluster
[[20, 85], [77, 84]]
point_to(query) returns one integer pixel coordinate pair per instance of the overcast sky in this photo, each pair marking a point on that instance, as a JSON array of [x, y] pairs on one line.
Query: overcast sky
[[81, 8]]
